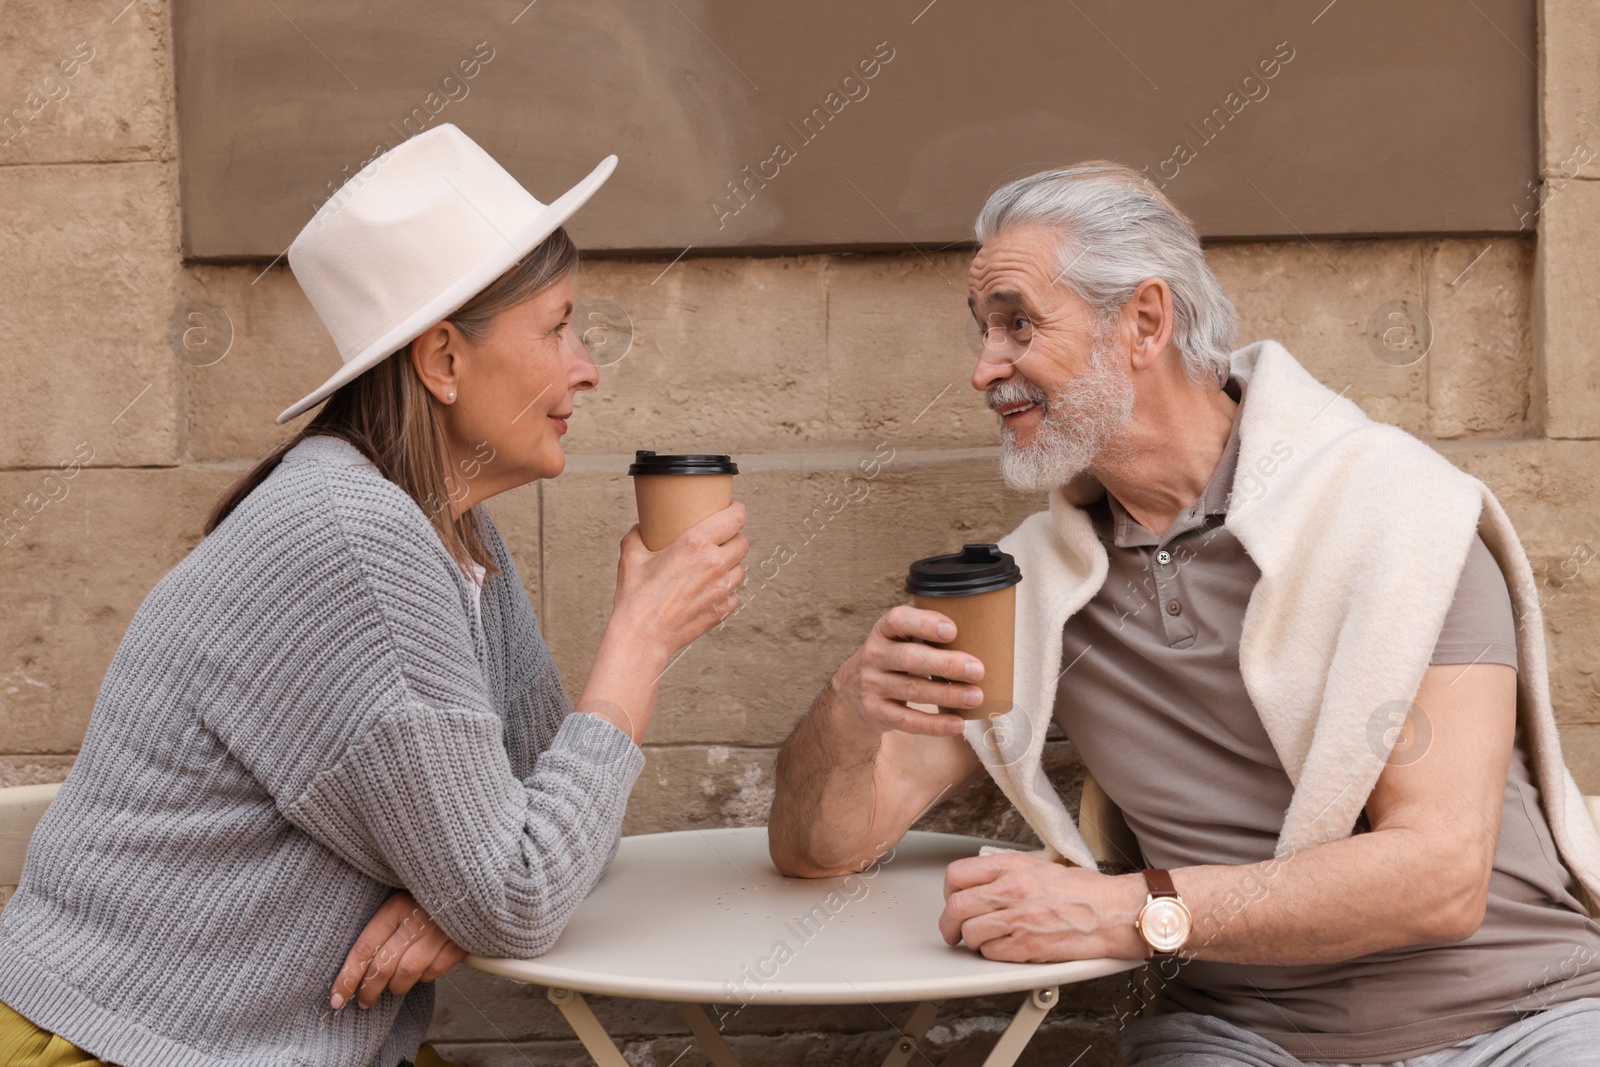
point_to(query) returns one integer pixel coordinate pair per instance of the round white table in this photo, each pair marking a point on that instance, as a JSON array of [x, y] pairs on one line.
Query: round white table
[[702, 917]]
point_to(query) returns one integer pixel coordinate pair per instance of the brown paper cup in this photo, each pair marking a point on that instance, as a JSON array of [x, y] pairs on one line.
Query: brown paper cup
[[671, 503], [986, 628]]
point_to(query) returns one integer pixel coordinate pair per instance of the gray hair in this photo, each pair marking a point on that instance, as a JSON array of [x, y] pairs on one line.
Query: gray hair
[[1116, 229]]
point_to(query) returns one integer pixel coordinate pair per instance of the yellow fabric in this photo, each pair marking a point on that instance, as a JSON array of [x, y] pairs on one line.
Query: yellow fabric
[[22, 1044], [427, 1057]]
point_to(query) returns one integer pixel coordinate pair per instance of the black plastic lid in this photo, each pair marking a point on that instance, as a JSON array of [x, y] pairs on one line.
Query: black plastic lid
[[650, 463], [975, 569]]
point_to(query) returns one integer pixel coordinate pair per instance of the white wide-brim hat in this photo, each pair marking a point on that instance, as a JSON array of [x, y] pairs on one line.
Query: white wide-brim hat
[[417, 233]]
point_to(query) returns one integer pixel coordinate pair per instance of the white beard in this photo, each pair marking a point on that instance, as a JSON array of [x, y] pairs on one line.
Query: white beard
[[1079, 423]]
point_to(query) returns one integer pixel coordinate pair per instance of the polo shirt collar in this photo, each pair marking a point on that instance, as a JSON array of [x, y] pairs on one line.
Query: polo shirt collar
[[1127, 532]]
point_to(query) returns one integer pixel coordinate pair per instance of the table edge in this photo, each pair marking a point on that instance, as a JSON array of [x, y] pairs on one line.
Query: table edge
[[1027, 976]]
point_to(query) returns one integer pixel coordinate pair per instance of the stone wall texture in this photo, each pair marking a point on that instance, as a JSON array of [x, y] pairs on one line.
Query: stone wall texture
[[142, 385]]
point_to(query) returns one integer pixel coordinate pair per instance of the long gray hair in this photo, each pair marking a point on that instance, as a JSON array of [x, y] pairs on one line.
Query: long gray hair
[[1116, 229]]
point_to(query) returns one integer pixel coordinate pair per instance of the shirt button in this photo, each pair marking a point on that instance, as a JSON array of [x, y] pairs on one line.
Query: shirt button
[[1163, 557], [1173, 607]]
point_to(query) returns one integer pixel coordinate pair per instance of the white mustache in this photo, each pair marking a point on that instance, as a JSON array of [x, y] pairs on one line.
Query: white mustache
[[1016, 390]]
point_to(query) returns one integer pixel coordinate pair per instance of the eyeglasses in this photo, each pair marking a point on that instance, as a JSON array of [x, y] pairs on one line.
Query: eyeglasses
[[1003, 344]]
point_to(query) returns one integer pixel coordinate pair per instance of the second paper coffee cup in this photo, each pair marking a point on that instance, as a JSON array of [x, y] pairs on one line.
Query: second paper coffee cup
[[977, 589], [676, 492]]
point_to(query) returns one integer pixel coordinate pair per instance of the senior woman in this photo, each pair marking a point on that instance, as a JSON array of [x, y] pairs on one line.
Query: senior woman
[[337, 713]]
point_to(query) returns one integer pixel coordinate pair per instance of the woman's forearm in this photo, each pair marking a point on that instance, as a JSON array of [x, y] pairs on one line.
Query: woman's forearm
[[664, 602], [625, 679]]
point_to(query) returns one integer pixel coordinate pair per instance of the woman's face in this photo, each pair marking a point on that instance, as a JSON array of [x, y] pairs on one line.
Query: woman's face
[[513, 393]]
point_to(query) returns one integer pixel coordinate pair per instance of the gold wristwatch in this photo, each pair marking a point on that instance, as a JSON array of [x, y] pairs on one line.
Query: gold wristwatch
[[1164, 922]]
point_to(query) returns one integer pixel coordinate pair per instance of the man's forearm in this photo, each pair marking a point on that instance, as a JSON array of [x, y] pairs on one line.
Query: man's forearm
[[1419, 876], [823, 801], [1337, 901]]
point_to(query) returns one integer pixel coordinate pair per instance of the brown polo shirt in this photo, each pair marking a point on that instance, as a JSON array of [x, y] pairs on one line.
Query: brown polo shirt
[[1152, 697]]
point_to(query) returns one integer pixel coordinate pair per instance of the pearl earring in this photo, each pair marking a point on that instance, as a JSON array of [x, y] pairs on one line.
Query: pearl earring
[[452, 394]]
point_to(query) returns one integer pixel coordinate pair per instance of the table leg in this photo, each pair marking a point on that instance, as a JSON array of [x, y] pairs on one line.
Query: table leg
[[706, 1035], [905, 1045], [1022, 1028], [590, 1033]]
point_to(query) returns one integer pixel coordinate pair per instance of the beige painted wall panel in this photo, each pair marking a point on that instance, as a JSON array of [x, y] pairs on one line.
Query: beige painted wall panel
[[72, 578], [901, 349], [1580, 744], [695, 786], [1318, 299], [727, 355], [247, 345], [1569, 54], [1567, 311], [86, 82], [1480, 364], [797, 352], [1360, 128], [1550, 489], [88, 255], [34, 770]]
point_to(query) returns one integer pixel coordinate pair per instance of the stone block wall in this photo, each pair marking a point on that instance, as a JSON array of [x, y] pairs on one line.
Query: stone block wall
[[141, 386]]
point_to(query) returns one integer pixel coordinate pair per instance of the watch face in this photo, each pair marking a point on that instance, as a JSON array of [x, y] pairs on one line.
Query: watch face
[[1164, 922]]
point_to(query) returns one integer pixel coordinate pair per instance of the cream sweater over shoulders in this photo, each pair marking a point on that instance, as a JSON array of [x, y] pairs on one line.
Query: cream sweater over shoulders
[[1339, 627]]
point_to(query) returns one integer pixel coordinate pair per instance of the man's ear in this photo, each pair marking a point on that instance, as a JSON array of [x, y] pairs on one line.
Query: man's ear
[[433, 355], [1151, 307]]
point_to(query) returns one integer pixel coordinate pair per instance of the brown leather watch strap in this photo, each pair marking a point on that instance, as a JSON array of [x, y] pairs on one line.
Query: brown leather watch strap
[[1161, 888], [1160, 883]]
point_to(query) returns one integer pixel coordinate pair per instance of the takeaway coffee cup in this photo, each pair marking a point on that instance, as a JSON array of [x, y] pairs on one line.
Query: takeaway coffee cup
[[977, 589], [676, 492]]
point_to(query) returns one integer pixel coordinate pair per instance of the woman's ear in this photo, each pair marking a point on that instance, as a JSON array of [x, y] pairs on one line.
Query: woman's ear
[[434, 356]]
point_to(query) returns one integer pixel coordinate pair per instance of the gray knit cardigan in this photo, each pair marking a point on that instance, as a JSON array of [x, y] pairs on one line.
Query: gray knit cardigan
[[303, 715]]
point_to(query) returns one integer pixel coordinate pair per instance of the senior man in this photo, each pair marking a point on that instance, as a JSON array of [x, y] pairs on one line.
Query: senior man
[[1283, 640]]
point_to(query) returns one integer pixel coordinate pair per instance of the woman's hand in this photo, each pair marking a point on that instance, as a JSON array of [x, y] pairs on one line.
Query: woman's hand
[[664, 601], [399, 947], [674, 596]]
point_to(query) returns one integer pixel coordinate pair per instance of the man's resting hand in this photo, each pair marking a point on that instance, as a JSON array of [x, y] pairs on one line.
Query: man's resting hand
[[1023, 908]]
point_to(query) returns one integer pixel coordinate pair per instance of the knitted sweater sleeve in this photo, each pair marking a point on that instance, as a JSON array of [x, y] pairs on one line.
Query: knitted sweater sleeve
[[538, 704], [427, 800], [409, 779]]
